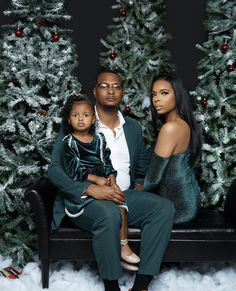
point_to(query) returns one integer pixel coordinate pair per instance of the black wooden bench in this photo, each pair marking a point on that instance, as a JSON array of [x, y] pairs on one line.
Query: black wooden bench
[[211, 237]]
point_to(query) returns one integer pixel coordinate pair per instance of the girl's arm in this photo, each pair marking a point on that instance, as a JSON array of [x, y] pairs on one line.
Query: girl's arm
[[112, 179]]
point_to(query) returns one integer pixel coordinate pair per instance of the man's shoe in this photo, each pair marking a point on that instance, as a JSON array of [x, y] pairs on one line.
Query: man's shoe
[[129, 267]]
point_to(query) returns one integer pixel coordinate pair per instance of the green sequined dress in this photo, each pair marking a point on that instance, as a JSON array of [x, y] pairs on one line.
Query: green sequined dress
[[174, 179]]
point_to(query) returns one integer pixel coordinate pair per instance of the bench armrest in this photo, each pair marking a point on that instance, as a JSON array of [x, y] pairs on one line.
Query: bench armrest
[[41, 197]]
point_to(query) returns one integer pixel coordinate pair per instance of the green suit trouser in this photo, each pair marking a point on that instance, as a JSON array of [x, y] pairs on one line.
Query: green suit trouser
[[153, 214]]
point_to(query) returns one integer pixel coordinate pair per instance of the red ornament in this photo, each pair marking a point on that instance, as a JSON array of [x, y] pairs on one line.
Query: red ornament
[[18, 32], [127, 109], [230, 68], [224, 47], [122, 12], [56, 36], [113, 55], [204, 101]]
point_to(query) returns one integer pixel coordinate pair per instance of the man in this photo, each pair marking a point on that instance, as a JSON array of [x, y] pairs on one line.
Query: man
[[151, 213]]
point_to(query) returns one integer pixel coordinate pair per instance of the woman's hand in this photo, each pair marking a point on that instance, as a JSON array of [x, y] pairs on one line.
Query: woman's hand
[[138, 187]]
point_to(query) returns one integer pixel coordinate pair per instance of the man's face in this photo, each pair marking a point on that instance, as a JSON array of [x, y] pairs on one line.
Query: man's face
[[108, 90]]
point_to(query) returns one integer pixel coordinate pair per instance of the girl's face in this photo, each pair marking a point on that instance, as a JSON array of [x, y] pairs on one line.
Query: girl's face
[[81, 117], [163, 97]]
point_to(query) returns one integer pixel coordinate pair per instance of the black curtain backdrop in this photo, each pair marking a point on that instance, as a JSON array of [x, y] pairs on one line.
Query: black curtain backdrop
[[184, 21]]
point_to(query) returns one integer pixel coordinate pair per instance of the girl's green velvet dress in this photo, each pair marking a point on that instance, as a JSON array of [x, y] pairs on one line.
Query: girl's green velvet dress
[[81, 159], [174, 179]]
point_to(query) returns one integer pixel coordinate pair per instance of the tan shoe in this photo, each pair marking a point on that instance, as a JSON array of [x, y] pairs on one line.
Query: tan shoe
[[129, 267], [133, 258]]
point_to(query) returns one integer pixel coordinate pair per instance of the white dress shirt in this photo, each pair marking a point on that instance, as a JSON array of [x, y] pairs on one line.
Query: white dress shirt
[[119, 150]]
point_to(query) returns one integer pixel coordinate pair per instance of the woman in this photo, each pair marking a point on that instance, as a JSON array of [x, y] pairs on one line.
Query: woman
[[178, 144]]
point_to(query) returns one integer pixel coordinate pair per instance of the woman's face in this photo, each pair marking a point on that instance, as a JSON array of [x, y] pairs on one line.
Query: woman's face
[[163, 97]]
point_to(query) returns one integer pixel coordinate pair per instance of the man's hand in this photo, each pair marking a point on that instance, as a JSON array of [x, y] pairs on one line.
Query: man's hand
[[116, 187], [105, 193]]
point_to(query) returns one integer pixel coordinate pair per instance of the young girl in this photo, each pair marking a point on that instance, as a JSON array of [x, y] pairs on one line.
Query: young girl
[[178, 144], [86, 157]]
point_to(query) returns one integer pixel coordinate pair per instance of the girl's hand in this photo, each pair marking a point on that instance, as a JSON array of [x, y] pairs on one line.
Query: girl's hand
[[101, 181], [108, 181]]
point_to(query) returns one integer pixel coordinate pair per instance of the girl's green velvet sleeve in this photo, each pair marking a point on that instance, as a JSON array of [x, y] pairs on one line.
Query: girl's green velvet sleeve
[[155, 172], [76, 170]]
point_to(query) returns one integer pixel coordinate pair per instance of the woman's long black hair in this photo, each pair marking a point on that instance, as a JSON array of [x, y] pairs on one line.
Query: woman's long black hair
[[184, 108], [65, 113]]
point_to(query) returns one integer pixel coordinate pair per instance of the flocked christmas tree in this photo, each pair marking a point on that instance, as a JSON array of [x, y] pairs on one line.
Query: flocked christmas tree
[[216, 102], [37, 74], [137, 49]]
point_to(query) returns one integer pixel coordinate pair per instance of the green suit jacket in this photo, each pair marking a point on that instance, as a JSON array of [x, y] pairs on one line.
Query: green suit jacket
[[68, 188]]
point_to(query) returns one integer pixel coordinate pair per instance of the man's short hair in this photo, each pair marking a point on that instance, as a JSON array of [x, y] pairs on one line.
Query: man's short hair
[[103, 70]]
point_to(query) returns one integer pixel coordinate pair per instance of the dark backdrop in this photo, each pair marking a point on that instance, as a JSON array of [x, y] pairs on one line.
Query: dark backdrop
[[90, 19]]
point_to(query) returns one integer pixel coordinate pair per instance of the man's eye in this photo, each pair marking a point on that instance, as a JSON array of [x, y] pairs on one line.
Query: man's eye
[[103, 86], [116, 86]]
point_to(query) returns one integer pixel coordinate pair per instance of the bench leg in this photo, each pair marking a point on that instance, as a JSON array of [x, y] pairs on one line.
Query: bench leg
[[45, 273]]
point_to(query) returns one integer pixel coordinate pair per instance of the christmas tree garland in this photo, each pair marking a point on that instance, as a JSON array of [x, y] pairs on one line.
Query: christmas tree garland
[[216, 103], [137, 49], [37, 60]]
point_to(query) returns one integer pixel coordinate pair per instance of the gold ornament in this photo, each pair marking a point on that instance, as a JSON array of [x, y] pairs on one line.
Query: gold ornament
[[42, 112]]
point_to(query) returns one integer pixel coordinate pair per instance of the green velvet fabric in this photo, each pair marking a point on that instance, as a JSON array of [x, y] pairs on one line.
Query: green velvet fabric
[[81, 159], [174, 178]]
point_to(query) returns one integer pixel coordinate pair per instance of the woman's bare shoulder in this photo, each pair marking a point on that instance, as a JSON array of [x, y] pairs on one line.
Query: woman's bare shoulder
[[171, 127]]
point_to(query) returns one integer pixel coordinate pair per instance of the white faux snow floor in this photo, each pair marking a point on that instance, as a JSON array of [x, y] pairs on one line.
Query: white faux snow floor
[[70, 277]]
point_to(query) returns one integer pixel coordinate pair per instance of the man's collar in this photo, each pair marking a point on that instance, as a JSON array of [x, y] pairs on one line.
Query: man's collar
[[119, 114]]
